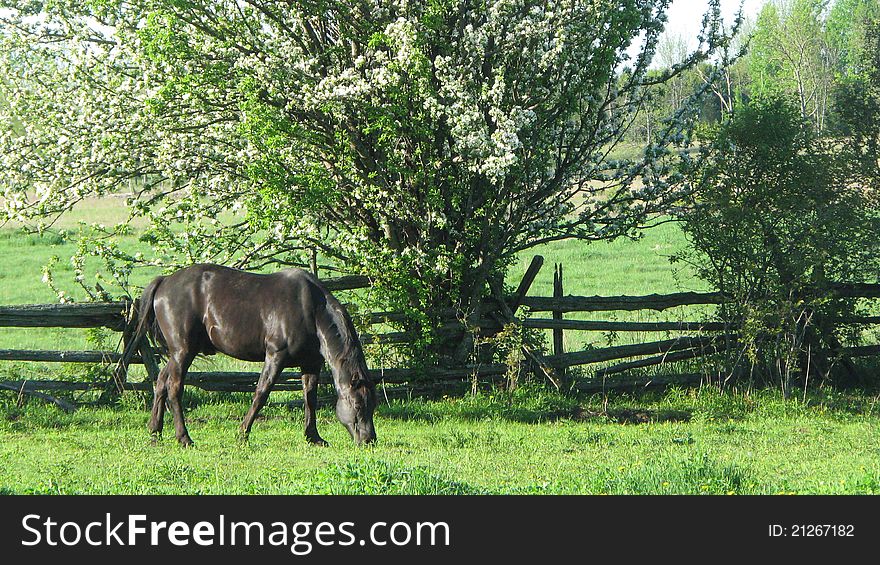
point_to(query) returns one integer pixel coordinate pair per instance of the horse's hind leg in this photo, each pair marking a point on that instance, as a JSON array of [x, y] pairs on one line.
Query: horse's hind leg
[[310, 395], [178, 364], [272, 367], [159, 398]]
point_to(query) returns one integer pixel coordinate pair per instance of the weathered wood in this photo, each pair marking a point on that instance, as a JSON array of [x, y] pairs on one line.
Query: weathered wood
[[662, 359], [113, 316], [590, 386], [68, 386], [384, 317], [242, 385], [313, 261], [206, 384], [856, 290], [635, 350], [48, 356], [603, 326], [868, 320], [507, 316], [243, 381], [627, 383], [348, 282], [607, 303], [63, 404], [76, 315], [150, 359], [664, 301], [526, 283], [246, 382], [45, 384], [378, 375], [558, 341], [858, 351], [130, 345], [684, 326], [436, 373], [390, 337], [558, 335], [489, 327]]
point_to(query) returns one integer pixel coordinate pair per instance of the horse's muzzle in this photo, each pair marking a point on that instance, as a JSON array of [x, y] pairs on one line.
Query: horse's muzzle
[[364, 436]]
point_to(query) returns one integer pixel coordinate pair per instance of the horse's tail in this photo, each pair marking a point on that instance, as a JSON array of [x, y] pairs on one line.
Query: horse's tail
[[147, 318]]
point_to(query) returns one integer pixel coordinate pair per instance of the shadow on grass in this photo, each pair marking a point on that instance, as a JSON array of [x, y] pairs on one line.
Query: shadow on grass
[[633, 415], [524, 405], [475, 409]]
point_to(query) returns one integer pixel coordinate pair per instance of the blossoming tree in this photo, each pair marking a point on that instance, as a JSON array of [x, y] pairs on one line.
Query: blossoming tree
[[422, 142]]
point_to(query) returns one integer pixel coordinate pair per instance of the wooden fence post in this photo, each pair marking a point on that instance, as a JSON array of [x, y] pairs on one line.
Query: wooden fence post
[[508, 314], [149, 357], [313, 261], [558, 344], [526, 283]]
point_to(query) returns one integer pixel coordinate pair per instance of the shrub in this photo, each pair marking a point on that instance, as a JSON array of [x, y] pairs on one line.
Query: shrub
[[775, 219]]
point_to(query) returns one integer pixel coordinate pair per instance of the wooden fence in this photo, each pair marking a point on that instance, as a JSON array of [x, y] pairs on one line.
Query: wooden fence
[[693, 339]]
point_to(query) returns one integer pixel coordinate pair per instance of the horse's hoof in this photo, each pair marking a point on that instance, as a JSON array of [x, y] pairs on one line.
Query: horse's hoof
[[186, 443], [317, 441]]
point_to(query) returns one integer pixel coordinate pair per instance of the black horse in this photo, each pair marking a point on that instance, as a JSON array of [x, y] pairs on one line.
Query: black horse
[[285, 319]]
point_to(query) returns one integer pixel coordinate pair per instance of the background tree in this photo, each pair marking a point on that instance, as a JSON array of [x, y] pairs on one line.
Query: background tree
[[857, 103], [733, 85], [671, 51], [775, 217], [423, 143], [847, 27], [790, 55]]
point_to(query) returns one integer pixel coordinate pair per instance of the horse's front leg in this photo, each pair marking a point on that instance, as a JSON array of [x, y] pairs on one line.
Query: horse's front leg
[[310, 395], [272, 367]]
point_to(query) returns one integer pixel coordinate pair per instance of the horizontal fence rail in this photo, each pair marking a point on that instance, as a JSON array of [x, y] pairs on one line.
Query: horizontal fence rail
[[46, 356], [86, 315], [603, 326], [657, 302], [624, 351]]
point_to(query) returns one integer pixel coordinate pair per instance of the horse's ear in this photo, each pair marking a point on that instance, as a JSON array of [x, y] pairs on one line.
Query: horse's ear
[[358, 381]]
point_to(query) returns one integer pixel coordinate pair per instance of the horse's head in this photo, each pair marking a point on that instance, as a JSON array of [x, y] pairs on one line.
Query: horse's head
[[355, 407], [342, 350]]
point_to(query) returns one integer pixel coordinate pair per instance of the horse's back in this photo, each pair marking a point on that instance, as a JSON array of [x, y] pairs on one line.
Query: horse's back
[[212, 307], [206, 281]]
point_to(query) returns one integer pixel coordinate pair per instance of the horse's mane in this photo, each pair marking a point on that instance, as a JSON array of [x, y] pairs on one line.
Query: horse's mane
[[349, 352]]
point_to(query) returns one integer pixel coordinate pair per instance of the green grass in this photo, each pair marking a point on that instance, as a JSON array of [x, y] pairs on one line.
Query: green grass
[[529, 441], [622, 266], [619, 267], [691, 442]]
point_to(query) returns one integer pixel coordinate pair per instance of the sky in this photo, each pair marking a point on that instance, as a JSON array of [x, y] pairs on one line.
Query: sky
[[685, 16]]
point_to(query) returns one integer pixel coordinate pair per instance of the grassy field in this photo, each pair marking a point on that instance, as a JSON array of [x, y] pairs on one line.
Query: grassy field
[[527, 441], [681, 442], [619, 267]]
